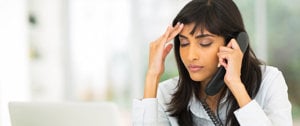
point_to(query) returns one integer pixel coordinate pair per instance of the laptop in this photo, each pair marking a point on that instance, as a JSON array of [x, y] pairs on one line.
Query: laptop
[[64, 114]]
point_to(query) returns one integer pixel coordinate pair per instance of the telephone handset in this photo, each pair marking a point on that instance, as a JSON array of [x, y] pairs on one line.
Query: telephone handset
[[217, 82]]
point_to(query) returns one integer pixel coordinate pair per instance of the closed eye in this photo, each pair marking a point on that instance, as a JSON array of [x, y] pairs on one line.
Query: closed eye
[[184, 44], [205, 44]]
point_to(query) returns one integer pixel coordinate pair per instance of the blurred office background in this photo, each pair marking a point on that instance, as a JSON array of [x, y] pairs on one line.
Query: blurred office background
[[97, 50]]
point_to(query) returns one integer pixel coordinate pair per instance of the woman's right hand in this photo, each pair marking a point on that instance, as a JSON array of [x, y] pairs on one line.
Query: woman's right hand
[[159, 49]]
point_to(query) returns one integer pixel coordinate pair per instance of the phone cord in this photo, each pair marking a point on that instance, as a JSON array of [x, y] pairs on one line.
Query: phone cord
[[211, 114]]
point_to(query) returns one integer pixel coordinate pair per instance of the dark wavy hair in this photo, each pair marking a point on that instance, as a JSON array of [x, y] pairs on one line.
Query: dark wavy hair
[[222, 18]]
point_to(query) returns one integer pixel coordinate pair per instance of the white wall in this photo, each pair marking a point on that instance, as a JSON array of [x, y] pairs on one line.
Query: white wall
[[47, 40], [13, 55]]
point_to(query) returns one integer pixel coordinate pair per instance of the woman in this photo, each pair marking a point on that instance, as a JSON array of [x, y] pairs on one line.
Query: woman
[[204, 35]]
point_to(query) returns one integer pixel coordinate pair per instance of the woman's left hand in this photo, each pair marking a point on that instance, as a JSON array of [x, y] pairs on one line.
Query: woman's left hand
[[231, 57]]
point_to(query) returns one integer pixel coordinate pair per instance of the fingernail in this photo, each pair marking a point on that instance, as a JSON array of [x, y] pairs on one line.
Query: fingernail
[[181, 25], [219, 65]]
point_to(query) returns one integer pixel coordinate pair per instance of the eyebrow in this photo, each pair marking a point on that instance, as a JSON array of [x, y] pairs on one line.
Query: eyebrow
[[198, 36]]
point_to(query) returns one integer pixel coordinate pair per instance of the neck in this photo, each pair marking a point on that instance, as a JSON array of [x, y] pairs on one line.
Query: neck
[[212, 101]]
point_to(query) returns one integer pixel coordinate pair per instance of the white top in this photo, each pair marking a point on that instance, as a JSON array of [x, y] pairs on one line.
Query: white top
[[270, 107]]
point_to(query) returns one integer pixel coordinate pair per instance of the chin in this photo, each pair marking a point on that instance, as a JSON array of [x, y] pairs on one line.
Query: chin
[[196, 78], [200, 77]]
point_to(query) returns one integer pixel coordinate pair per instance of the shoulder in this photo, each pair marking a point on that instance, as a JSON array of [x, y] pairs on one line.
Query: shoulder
[[269, 73], [269, 70], [272, 83]]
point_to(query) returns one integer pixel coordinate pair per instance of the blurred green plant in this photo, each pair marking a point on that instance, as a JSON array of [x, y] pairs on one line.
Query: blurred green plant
[[283, 39], [296, 111]]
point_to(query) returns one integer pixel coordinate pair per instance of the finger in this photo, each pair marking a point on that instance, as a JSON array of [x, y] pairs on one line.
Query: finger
[[163, 39], [224, 56], [176, 26], [167, 33], [176, 30], [167, 50], [225, 49], [222, 62], [233, 44]]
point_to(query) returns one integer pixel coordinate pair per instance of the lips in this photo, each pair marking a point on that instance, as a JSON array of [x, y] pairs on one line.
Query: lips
[[195, 68]]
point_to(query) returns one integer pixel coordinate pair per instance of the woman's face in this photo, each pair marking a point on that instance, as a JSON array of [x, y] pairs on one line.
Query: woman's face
[[198, 52]]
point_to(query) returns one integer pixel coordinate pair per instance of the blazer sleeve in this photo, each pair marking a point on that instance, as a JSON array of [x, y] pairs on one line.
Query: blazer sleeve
[[148, 112], [153, 111], [273, 108]]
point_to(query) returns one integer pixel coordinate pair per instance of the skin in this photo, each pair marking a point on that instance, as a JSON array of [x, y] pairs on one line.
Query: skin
[[201, 53]]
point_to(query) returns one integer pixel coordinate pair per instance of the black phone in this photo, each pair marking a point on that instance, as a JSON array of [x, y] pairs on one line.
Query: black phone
[[217, 82]]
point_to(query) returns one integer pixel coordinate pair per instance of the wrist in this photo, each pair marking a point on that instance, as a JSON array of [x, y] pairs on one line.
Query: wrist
[[151, 84], [240, 93]]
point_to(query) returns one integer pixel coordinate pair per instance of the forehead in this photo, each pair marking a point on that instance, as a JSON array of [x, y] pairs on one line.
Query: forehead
[[188, 28]]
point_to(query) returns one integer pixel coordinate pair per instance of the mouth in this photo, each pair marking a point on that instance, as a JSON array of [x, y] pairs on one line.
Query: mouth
[[195, 68]]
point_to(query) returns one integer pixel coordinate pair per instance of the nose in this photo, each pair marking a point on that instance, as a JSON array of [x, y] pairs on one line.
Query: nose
[[193, 54]]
